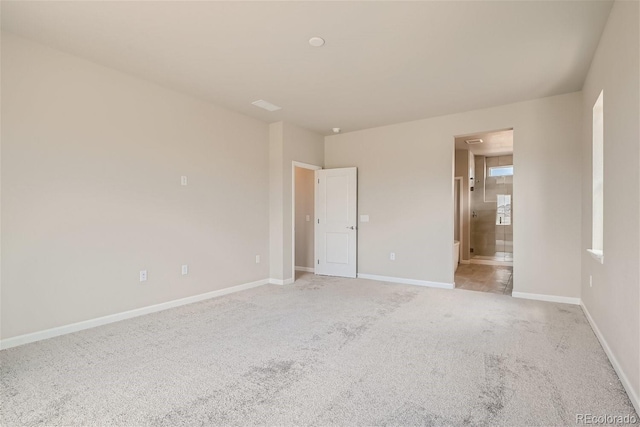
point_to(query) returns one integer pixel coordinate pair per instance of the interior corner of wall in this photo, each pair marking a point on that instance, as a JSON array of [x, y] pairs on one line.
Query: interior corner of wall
[[276, 125]]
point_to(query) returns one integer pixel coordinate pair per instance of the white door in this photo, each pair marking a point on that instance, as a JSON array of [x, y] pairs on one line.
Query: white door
[[336, 220]]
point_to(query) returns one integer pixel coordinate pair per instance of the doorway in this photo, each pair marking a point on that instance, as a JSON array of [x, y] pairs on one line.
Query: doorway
[[485, 162], [457, 211], [324, 206], [303, 218]]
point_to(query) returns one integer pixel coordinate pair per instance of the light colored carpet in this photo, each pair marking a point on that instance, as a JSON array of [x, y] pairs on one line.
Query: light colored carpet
[[324, 351]]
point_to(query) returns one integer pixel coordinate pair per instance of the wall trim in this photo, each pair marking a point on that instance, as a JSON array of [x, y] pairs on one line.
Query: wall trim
[[549, 298], [281, 282], [633, 395], [465, 261], [112, 318], [307, 269], [427, 283]]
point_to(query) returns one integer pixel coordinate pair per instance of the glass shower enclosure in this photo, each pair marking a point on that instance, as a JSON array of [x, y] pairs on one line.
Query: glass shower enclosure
[[492, 213]]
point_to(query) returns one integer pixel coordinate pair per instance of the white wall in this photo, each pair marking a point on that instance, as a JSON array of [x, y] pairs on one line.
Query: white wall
[[91, 166], [288, 143], [276, 197], [614, 300], [405, 184], [305, 201]]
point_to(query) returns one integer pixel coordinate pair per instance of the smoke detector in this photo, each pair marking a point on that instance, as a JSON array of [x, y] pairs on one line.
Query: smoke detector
[[316, 41], [336, 130], [474, 141]]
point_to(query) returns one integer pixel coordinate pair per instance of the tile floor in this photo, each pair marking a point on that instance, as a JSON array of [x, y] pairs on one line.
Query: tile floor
[[485, 278], [498, 256]]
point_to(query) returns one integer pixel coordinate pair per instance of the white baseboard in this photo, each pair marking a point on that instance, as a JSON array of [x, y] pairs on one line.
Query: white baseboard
[[633, 394], [406, 281], [307, 269], [549, 298], [99, 321], [281, 282], [465, 261]]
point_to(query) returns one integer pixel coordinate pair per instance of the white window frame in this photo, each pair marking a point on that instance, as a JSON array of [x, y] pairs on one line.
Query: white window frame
[[491, 168], [597, 181]]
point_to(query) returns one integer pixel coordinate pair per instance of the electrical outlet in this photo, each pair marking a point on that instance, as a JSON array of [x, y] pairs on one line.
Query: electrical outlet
[[392, 256], [257, 259], [185, 269], [143, 275], [590, 281]]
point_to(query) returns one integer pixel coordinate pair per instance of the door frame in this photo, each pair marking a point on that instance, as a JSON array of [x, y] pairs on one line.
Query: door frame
[[301, 165], [458, 181]]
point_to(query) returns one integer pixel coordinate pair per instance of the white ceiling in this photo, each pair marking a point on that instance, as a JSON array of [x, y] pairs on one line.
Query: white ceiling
[[494, 143], [383, 62]]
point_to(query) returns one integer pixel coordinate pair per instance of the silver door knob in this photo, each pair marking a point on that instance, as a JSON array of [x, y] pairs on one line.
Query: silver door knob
[[352, 228]]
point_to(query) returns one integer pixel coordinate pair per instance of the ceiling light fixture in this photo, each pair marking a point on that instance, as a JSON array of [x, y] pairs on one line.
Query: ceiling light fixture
[[266, 105], [474, 141], [336, 130], [316, 41]]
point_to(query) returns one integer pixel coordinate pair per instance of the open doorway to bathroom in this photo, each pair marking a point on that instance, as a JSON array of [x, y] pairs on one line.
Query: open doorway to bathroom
[[483, 212]]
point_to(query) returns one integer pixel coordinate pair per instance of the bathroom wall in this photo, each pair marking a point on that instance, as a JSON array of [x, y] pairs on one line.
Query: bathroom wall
[[484, 231]]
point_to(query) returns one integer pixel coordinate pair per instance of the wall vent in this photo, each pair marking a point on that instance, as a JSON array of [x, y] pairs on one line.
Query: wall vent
[[266, 105], [474, 141]]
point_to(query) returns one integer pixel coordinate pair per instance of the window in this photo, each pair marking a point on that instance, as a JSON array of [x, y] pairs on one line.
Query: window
[[503, 215], [597, 215], [496, 171]]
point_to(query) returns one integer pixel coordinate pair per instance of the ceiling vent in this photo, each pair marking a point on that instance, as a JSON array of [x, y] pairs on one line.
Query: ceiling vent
[[266, 105], [474, 141]]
